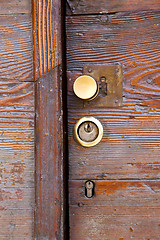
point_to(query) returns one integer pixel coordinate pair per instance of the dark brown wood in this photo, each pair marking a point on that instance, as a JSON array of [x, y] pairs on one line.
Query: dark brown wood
[[49, 212], [16, 160], [16, 55], [49, 157], [125, 205], [118, 210], [103, 6]]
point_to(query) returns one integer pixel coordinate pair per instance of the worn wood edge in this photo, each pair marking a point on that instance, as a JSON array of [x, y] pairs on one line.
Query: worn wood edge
[[89, 7], [44, 227], [49, 71]]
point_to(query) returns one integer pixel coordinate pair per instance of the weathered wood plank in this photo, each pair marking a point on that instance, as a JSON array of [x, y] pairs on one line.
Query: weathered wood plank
[[132, 40], [15, 6], [16, 160], [118, 210], [46, 36], [49, 157], [107, 6], [50, 221], [121, 208], [128, 38], [16, 54], [128, 134], [15, 228]]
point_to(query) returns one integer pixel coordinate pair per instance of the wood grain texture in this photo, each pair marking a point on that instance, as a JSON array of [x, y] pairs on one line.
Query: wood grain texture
[[132, 40], [125, 164], [16, 53], [46, 35], [107, 6], [129, 148], [119, 210], [15, 6], [50, 197], [16, 160], [128, 38], [49, 157]]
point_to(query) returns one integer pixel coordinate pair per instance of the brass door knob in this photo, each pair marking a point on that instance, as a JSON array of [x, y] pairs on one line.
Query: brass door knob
[[85, 87]]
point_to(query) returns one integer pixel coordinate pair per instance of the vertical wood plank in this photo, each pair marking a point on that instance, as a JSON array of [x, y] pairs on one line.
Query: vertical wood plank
[[49, 157], [46, 35], [49, 213]]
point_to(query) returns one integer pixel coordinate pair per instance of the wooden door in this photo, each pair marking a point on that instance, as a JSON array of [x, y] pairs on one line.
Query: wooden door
[[31, 120], [125, 165], [16, 121]]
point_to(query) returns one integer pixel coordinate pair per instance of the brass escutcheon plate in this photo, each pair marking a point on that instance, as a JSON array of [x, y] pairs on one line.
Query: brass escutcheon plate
[[109, 78]]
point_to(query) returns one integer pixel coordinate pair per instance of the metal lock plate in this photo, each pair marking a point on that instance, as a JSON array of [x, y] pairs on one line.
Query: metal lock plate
[[109, 79], [88, 131], [89, 189]]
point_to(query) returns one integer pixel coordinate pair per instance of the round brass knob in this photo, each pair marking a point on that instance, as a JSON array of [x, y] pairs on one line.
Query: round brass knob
[[85, 87]]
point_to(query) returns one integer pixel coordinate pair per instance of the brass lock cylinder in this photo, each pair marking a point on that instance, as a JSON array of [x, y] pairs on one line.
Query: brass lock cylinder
[[88, 131], [85, 87]]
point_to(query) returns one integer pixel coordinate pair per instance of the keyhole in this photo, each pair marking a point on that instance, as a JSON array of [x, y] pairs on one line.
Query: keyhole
[[90, 184], [89, 189], [103, 87], [88, 127]]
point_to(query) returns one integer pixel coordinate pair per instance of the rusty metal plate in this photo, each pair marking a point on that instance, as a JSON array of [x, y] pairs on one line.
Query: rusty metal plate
[[109, 78]]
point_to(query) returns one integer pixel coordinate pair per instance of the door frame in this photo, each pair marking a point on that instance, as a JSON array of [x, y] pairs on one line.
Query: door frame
[[50, 120]]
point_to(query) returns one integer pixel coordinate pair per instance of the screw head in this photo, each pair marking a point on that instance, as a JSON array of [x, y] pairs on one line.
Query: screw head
[[90, 70]]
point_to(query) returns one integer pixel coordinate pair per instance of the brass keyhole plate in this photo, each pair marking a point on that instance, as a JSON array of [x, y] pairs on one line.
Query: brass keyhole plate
[[109, 78], [88, 131]]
